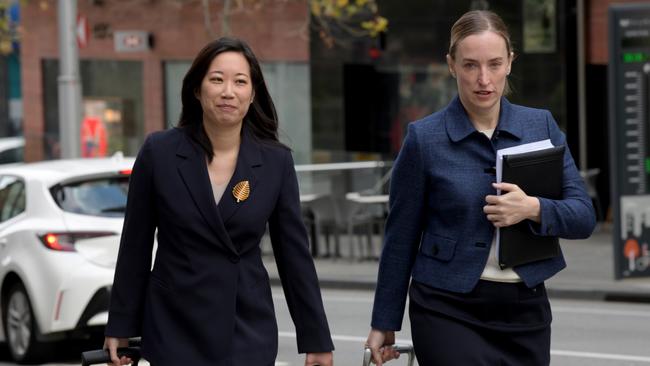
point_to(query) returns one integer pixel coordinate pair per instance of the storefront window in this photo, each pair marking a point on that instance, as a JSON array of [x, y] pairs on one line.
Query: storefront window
[[11, 111], [365, 91], [174, 73], [112, 108]]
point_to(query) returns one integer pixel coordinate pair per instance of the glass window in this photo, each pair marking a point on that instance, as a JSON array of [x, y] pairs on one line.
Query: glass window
[[174, 74], [12, 197], [112, 107], [288, 84], [97, 197], [365, 91]]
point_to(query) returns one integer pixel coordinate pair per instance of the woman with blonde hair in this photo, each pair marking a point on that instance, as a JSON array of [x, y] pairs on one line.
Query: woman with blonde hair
[[444, 212]]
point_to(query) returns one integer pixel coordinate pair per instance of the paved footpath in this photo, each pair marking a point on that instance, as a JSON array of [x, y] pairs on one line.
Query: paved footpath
[[589, 273]]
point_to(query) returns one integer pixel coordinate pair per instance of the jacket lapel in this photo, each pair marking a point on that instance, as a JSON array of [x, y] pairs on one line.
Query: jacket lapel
[[249, 157], [194, 172]]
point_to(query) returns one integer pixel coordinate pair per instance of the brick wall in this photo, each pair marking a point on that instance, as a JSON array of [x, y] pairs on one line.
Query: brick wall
[[277, 31], [597, 14]]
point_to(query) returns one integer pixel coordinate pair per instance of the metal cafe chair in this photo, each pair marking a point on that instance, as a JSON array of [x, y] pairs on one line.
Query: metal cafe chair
[[367, 209]]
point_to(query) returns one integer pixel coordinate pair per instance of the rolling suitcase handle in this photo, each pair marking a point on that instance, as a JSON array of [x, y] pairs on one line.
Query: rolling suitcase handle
[[101, 356], [401, 348]]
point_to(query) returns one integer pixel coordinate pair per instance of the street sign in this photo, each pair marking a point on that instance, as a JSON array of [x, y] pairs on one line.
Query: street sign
[[629, 126], [82, 31], [132, 41]]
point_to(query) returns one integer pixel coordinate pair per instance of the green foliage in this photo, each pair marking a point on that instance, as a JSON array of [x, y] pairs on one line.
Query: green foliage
[[339, 19], [8, 31]]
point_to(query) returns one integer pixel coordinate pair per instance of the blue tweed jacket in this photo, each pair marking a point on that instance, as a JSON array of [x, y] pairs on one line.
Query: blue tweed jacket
[[437, 232]]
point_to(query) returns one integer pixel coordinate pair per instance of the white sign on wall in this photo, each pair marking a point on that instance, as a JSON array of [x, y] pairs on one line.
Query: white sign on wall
[[132, 41]]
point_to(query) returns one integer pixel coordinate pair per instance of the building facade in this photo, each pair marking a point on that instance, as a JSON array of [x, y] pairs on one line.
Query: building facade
[[337, 101], [10, 94], [133, 93]]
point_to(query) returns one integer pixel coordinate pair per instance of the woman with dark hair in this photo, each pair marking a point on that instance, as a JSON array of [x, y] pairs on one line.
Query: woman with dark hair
[[209, 187], [440, 234]]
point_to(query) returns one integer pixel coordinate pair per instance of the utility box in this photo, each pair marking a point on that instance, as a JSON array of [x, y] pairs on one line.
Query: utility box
[[629, 131]]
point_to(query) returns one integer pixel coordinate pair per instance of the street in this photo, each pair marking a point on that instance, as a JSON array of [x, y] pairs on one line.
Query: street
[[584, 332]]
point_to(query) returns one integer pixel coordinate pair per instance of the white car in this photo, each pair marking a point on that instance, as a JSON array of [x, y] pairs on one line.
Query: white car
[[60, 223]]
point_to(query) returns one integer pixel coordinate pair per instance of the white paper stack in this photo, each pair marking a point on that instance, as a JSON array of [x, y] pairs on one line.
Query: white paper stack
[[519, 149]]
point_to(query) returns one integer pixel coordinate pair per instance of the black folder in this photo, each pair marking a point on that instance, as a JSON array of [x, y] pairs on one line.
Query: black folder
[[538, 173]]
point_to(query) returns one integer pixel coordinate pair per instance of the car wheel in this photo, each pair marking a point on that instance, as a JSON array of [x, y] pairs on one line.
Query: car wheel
[[20, 326]]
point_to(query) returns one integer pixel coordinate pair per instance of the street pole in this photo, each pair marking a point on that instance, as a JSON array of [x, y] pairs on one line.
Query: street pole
[[582, 91], [68, 81]]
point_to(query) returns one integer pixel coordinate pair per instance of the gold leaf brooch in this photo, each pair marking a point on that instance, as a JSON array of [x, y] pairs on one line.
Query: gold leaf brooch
[[241, 191]]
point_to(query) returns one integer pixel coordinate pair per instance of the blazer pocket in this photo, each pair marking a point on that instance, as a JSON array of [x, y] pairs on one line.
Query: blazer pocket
[[438, 247]]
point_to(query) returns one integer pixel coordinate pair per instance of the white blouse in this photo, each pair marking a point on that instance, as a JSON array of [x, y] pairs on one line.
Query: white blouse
[[492, 271], [218, 190]]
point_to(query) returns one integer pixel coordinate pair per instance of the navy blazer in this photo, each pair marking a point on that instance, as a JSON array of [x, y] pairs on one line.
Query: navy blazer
[[208, 260], [437, 231]]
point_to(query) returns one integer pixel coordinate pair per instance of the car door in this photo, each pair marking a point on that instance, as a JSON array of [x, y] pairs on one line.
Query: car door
[[12, 206]]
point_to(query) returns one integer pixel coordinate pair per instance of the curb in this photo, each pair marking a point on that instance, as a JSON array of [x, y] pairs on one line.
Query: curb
[[553, 292], [599, 295], [336, 284]]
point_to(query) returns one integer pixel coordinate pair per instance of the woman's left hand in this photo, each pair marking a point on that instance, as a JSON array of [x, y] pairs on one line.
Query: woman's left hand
[[320, 359], [511, 207]]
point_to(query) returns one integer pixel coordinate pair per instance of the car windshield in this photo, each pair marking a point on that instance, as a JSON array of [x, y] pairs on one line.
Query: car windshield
[[97, 197]]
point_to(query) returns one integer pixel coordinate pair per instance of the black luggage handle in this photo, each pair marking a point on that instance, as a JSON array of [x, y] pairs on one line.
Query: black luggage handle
[[102, 356]]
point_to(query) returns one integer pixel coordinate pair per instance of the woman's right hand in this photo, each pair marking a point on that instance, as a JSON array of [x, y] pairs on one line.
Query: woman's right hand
[[112, 344], [379, 342]]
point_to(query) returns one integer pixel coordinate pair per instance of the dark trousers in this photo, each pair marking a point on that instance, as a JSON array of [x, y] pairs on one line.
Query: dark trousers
[[497, 324]]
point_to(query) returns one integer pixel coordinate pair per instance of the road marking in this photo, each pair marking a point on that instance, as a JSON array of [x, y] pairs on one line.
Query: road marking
[[144, 363], [600, 356], [562, 353], [343, 338], [564, 309]]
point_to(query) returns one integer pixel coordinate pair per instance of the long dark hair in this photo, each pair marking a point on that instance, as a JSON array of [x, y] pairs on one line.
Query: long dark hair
[[261, 117]]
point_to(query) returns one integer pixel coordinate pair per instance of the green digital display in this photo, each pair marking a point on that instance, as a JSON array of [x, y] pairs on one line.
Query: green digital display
[[630, 57], [647, 165]]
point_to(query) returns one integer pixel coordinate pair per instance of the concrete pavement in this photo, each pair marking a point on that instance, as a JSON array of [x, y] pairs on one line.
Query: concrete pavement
[[589, 273]]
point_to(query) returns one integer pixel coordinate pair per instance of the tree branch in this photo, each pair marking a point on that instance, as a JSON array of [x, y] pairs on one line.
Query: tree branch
[[207, 22], [225, 18]]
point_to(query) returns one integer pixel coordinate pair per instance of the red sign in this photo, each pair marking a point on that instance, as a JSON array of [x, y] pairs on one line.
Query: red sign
[[94, 139], [82, 31]]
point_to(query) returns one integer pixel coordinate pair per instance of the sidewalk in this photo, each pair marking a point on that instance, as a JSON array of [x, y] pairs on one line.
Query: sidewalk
[[589, 273]]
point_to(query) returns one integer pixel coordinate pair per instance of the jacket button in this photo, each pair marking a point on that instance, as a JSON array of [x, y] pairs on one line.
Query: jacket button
[[234, 259], [435, 250]]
